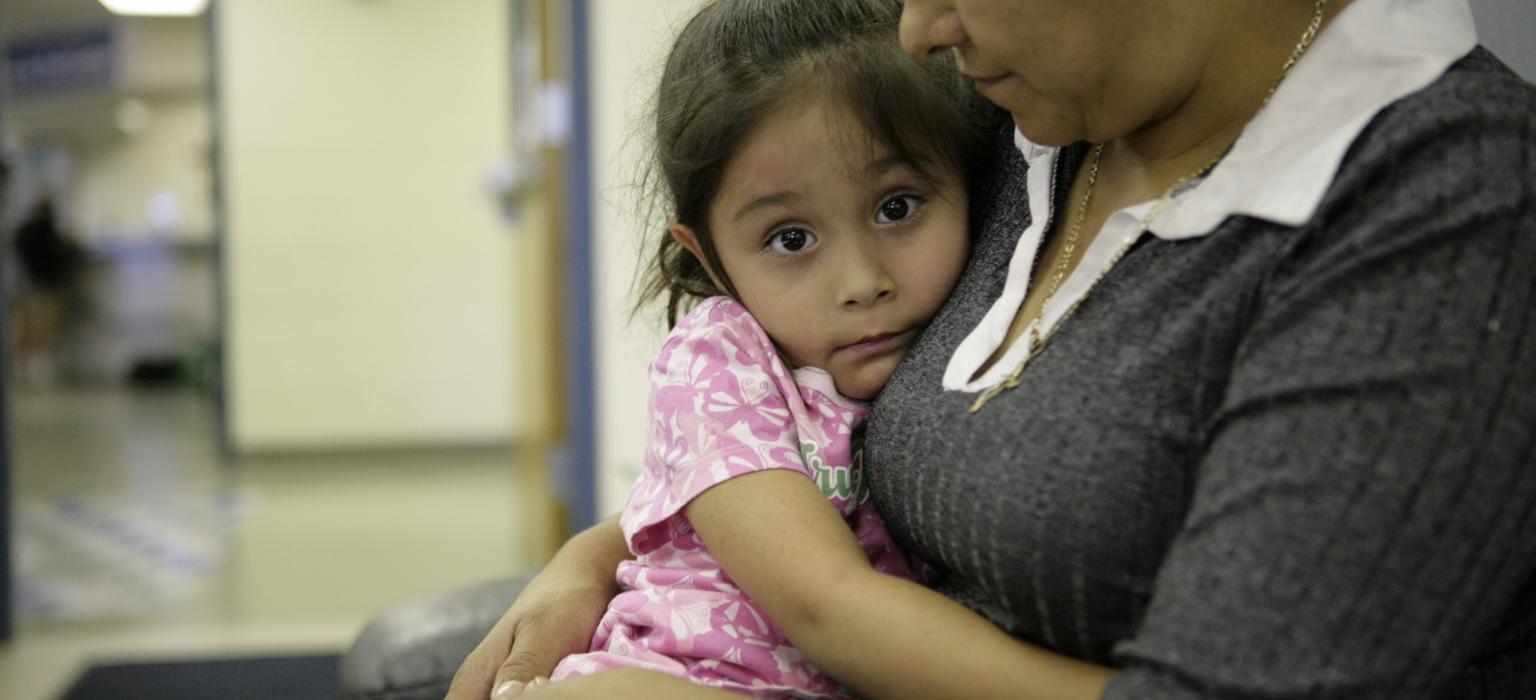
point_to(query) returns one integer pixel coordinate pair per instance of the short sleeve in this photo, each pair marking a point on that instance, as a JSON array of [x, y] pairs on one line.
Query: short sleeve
[[720, 407], [1364, 518]]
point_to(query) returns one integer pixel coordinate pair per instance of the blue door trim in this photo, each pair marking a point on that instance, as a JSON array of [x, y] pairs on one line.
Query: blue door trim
[[582, 469]]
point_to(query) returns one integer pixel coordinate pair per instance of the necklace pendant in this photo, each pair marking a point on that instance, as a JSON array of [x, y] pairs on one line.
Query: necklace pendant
[[1009, 383], [985, 397]]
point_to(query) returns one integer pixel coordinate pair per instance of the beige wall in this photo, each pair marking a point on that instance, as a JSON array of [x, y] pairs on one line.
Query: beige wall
[[628, 41], [162, 53], [370, 300], [116, 177]]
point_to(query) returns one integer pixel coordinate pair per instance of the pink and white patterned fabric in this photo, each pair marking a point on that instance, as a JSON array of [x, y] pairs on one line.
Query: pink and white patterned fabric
[[723, 404]]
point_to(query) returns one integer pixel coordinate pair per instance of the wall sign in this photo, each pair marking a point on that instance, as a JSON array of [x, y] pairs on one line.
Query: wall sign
[[60, 62]]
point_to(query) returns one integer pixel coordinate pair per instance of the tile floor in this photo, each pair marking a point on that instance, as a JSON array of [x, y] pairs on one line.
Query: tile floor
[[133, 540]]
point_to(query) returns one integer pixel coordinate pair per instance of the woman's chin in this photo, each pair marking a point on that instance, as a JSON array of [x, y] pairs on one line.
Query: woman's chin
[[1051, 128], [1051, 135]]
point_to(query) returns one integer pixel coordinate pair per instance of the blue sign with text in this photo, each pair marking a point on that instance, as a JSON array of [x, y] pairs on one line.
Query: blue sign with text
[[60, 62]]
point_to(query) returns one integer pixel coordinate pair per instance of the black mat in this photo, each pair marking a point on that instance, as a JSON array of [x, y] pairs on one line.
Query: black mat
[[263, 678]]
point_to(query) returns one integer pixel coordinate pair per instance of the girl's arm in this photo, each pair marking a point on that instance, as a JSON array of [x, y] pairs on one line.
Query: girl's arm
[[789, 550]]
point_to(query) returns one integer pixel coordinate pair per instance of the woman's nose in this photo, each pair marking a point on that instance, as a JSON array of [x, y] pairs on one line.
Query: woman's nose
[[930, 26]]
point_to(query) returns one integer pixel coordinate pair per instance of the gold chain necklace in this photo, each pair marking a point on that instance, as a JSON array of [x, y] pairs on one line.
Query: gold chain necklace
[[1064, 258]]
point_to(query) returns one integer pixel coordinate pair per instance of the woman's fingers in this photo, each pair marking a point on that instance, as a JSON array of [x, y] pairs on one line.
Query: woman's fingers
[[546, 624], [530, 660], [514, 688], [473, 679], [554, 615]]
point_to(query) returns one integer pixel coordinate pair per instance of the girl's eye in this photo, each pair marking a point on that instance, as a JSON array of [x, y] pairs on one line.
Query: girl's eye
[[791, 241], [897, 208]]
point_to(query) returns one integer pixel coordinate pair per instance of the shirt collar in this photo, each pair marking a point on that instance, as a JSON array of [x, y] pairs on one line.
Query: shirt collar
[[1372, 54]]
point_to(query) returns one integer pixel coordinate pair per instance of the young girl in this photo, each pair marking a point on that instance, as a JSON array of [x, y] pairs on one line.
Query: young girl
[[815, 177]]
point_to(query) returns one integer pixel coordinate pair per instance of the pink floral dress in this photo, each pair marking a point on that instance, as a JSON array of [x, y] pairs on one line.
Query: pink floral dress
[[723, 404]]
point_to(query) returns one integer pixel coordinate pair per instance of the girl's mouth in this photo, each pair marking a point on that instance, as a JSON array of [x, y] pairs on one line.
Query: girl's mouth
[[876, 344]]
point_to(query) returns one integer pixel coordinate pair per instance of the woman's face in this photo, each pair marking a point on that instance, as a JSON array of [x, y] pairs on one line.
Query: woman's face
[[1070, 70]]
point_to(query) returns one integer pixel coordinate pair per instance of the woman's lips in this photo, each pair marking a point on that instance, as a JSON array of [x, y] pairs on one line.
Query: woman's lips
[[984, 83], [876, 345]]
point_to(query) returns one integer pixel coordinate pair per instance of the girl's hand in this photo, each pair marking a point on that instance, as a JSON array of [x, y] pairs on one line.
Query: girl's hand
[[553, 617], [624, 683]]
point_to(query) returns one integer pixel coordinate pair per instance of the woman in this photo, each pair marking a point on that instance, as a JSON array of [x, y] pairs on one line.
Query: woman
[[1231, 401]]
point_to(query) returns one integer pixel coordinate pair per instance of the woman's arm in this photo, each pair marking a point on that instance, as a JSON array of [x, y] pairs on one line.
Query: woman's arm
[[1364, 521], [885, 637], [554, 615]]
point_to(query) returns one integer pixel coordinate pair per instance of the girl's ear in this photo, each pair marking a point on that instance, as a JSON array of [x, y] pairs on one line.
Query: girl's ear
[[686, 238]]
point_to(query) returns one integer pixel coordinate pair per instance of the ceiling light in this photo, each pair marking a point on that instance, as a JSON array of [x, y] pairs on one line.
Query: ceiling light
[[162, 8]]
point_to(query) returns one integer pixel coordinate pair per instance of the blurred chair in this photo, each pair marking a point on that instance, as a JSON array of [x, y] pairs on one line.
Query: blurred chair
[[411, 651]]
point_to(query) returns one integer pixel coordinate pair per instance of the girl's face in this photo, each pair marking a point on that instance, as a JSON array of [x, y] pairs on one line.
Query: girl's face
[[841, 252], [1070, 70]]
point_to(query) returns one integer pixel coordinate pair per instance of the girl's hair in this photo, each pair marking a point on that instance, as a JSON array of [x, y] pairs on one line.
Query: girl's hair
[[737, 61]]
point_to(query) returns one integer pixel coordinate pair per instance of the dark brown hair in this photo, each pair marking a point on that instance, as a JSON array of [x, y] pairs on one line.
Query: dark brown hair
[[737, 61]]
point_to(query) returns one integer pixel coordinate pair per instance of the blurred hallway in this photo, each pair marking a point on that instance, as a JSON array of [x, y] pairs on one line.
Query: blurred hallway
[[134, 541]]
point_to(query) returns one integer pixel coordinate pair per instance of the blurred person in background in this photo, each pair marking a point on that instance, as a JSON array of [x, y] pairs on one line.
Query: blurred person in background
[[51, 264]]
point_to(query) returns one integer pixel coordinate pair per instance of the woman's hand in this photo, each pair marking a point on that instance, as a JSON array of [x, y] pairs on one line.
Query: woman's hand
[[624, 683], [553, 617]]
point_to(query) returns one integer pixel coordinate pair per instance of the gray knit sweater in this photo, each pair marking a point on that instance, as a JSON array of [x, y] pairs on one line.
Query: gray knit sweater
[[1271, 462]]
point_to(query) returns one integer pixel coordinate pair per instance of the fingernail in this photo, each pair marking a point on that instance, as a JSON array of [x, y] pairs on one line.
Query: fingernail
[[508, 689]]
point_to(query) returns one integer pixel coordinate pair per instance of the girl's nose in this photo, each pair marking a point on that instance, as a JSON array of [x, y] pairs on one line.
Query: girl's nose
[[930, 26], [865, 281]]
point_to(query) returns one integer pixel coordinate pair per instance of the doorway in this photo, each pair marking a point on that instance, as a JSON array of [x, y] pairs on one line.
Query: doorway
[[108, 220]]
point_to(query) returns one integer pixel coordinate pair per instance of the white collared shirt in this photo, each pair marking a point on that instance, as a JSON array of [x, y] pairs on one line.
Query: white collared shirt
[[1372, 54]]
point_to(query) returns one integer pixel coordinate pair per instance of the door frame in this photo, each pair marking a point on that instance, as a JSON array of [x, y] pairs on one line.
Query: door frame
[[7, 592], [581, 479]]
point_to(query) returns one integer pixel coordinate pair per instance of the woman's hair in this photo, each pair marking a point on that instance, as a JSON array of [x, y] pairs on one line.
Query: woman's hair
[[737, 61]]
